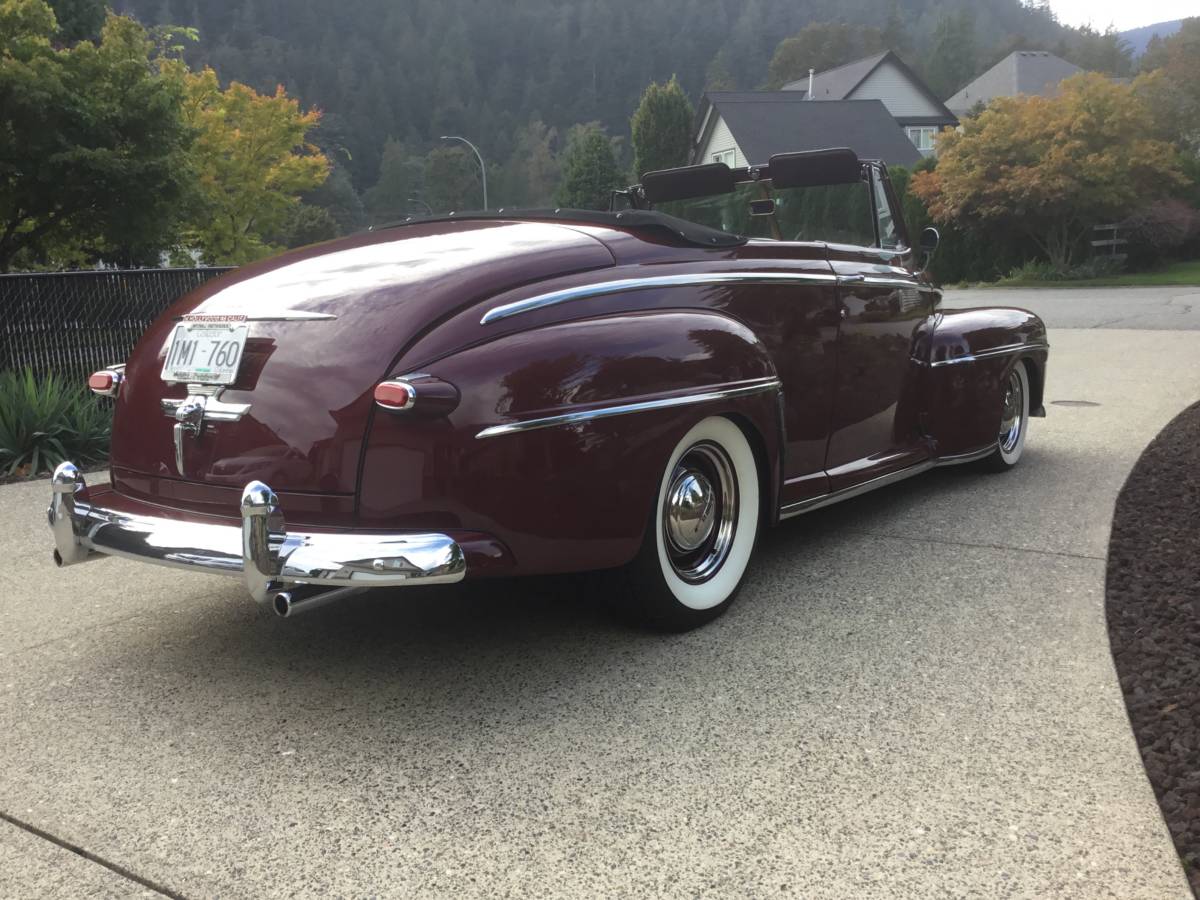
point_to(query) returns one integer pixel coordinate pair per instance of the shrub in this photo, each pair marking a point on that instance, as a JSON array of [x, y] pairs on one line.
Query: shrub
[[1159, 231], [1040, 270], [962, 256], [46, 421]]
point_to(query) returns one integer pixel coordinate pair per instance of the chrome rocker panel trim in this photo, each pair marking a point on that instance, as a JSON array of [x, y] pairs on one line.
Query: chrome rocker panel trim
[[856, 490], [584, 292], [261, 551], [736, 389]]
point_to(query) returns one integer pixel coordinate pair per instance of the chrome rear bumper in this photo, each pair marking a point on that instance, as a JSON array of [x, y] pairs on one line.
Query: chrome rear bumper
[[262, 551]]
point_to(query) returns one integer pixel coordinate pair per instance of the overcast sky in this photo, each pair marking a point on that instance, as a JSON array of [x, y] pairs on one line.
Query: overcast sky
[[1102, 13]]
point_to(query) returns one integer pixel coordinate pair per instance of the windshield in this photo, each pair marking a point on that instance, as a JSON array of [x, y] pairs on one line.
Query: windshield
[[835, 213]]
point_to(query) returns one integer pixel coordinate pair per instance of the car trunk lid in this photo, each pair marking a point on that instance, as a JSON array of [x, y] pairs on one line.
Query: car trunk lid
[[325, 325]]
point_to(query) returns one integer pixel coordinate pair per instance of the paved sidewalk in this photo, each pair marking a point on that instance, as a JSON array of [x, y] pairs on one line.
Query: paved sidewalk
[[913, 697]]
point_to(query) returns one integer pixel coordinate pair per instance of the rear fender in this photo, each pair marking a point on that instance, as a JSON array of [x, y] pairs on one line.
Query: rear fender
[[970, 355], [574, 495]]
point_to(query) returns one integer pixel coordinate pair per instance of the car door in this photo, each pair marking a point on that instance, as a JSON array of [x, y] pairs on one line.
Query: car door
[[797, 321], [876, 424]]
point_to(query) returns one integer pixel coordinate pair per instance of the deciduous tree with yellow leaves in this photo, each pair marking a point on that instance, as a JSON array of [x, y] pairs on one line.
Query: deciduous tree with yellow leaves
[[1051, 167], [251, 162]]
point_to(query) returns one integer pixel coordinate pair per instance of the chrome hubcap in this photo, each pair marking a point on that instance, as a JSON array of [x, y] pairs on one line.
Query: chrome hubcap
[[1010, 420], [691, 510], [700, 513]]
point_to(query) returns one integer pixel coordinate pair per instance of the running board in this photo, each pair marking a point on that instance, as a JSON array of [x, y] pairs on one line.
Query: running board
[[856, 490]]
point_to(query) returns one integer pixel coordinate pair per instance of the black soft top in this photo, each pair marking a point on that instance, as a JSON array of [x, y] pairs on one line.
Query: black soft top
[[647, 221]]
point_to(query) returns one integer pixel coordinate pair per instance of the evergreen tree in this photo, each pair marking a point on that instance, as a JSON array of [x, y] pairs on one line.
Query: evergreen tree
[[661, 128], [1101, 51], [78, 20], [401, 178], [452, 181], [821, 46], [590, 169], [718, 76], [895, 34], [954, 60]]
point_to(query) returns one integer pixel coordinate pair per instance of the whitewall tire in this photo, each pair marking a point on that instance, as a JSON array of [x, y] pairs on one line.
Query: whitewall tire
[[1014, 420], [702, 529]]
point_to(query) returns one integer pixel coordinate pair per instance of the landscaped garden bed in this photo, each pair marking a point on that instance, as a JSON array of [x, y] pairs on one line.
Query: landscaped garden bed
[[1153, 604]]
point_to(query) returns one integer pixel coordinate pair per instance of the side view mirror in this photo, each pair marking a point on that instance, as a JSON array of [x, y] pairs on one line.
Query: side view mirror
[[929, 240]]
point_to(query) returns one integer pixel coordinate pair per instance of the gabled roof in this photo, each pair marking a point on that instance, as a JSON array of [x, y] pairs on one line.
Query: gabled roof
[[840, 83], [836, 84], [1021, 72], [767, 122]]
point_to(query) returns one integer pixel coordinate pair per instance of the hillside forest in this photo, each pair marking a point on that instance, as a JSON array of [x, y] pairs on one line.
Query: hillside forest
[[515, 76]]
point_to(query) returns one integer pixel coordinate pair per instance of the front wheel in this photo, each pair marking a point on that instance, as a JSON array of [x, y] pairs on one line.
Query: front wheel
[[1014, 421], [701, 532]]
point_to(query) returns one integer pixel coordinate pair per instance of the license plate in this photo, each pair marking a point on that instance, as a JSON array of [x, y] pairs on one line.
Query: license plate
[[205, 350]]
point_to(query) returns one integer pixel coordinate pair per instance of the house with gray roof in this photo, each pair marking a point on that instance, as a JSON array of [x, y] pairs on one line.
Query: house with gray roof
[[887, 78], [742, 128], [1028, 72]]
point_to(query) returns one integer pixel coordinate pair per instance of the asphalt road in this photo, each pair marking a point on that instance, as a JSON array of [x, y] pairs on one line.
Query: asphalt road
[[1152, 308], [914, 697]]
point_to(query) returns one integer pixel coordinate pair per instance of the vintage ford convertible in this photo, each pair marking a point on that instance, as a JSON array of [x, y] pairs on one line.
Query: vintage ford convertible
[[500, 394]]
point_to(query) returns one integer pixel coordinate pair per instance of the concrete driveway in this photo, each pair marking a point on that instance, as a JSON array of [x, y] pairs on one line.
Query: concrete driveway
[[913, 697]]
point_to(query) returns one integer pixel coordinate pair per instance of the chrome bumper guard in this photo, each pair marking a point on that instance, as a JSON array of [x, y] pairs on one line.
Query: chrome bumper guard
[[292, 570]]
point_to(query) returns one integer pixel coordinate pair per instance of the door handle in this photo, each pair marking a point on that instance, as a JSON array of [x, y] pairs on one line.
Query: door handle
[[851, 279]]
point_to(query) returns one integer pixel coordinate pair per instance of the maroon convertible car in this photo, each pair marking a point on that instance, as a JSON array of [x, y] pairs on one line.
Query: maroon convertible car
[[515, 393]]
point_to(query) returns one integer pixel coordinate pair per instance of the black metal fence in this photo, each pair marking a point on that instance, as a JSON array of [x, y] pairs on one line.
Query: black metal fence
[[73, 323]]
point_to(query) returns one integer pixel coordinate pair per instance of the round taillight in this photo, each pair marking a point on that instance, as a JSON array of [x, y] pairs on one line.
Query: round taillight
[[395, 395], [107, 382]]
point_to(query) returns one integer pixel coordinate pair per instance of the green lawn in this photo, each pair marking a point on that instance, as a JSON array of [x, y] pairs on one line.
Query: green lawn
[[1187, 273]]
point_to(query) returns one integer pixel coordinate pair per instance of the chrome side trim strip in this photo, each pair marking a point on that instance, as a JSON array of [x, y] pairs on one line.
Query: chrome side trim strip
[[795, 509], [287, 315], [721, 392], [995, 351], [586, 291], [880, 281]]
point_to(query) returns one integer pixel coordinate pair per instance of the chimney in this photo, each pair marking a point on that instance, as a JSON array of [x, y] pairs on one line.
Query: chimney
[[810, 83]]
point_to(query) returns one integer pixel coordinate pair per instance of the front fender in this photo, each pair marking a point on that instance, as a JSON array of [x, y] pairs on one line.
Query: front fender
[[970, 354], [568, 495]]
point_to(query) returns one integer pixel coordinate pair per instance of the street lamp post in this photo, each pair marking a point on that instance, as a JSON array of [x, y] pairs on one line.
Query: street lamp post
[[482, 167]]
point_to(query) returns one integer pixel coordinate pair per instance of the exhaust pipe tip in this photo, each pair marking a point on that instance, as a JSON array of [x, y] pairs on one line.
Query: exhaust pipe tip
[[305, 597]]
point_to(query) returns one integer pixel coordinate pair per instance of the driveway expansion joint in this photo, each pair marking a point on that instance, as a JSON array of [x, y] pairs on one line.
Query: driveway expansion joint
[[115, 868]]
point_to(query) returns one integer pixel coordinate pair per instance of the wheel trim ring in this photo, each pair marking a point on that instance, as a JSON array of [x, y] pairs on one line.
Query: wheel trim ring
[[1011, 423], [701, 564]]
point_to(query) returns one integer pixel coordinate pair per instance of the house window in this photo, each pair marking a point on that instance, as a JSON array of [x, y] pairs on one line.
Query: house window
[[725, 156], [922, 137]]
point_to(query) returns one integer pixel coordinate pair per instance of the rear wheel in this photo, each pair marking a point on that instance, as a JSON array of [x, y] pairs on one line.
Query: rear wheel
[[1014, 421], [701, 532]]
